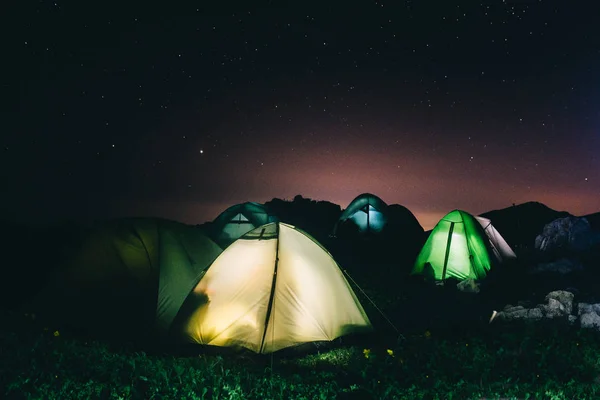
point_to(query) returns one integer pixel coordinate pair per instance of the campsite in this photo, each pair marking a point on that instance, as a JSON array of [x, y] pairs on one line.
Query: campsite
[[126, 315], [299, 200]]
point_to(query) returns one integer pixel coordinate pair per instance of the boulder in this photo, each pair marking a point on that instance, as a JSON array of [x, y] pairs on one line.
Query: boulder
[[560, 305], [590, 320], [586, 308], [589, 315], [468, 286], [511, 313], [569, 233]]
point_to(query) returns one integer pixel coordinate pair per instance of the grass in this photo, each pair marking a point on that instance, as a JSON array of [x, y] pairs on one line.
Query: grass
[[447, 351], [493, 362]]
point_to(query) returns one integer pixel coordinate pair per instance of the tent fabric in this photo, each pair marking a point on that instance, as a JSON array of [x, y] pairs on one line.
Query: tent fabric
[[237, 220], [130, 275], [185, 254], [457, 247], [273, 288], [367, 212], [500, 247]]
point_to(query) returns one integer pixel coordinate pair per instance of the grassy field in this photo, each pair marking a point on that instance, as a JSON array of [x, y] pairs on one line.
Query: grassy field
[[446, 350], [493, 362]]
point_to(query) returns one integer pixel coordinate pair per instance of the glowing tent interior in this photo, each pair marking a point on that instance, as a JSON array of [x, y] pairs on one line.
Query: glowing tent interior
[[365, 214], [237, 220], [461, 246], [273, 288]]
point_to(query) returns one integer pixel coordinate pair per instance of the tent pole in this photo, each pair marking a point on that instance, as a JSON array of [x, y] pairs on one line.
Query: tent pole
[[272, 295], [448, 244]]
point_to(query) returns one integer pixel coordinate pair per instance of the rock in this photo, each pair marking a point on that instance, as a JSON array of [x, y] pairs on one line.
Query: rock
[[589, 315], [562, 266], [590, 320], [560, 303], [585, 308], [468, 286], [534, 314], [511, 313], [554, 309], [569, 233], [513, 309]]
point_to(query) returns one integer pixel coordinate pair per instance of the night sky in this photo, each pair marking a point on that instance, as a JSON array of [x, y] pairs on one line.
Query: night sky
[[179, 111]]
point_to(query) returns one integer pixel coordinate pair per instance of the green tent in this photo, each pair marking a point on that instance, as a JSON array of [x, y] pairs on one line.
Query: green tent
[[273, 288], [457, 247], [237, 220], [130, 276], [365, 214]]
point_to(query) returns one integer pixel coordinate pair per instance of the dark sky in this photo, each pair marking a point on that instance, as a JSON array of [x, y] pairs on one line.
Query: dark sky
[[178, 111]]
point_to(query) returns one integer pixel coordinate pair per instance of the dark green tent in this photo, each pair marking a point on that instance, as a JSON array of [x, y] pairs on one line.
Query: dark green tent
[[130, 275]]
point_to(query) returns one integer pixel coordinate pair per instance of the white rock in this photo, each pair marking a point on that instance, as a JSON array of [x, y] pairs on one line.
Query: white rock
[[590, 320]]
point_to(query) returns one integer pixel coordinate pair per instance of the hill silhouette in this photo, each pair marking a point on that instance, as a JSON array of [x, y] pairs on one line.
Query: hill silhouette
[[315, 217], [401, 218], [32, 252], [594, 220], [520, 224]]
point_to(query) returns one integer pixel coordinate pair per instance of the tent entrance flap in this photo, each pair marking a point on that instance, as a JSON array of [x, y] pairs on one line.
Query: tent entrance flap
[[448, 244]]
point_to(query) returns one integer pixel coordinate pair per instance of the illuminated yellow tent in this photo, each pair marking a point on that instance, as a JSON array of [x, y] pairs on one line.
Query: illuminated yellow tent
[[129, 277], [273, 288]]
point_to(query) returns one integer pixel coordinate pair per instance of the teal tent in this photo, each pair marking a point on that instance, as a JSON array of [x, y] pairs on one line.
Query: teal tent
[[365, 214], [237, 220]]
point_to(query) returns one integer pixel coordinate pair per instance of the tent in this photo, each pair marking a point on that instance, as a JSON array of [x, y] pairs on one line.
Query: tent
[[500, 248], [237, 220], [129, 277], [461, 246], [365, 214], [273, 288]]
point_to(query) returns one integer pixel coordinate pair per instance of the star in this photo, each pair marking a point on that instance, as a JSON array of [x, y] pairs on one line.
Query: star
[[362, 99]]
